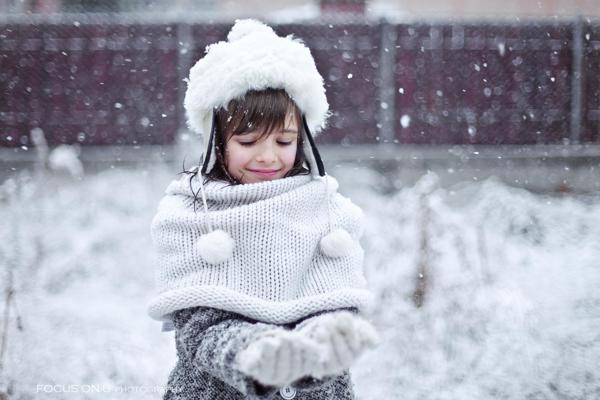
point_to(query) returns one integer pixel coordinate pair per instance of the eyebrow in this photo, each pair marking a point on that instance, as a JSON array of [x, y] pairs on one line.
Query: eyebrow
[[287, 130]]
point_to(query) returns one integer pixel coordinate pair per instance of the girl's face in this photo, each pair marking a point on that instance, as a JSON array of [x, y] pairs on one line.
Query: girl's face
[[251, 158]]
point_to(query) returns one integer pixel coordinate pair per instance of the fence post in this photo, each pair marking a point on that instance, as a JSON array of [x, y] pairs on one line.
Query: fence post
[[185, 45], [184, 142], [577, 81], [387, 87]]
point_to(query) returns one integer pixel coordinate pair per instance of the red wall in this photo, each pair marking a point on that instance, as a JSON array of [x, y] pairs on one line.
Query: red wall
[[117, 83]]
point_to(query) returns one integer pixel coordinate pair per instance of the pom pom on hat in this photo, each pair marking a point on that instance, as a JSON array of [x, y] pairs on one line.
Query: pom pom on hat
[[245, 27], [337, 243], [215, 247]]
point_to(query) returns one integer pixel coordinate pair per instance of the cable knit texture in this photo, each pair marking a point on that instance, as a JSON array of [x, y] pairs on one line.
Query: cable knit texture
[[277, 272], [208, 341]]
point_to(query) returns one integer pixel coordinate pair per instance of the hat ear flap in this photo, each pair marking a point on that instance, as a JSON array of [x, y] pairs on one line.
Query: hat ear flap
[[209, 151], [310, 151]]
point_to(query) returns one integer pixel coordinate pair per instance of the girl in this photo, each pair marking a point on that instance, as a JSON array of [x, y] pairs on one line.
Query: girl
[[259, 265]]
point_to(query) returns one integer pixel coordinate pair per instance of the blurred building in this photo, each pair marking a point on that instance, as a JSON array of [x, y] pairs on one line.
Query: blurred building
[[483, 9], [299, 9]]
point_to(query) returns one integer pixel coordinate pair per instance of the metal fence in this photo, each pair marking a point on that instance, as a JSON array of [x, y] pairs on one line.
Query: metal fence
[[105, 81]]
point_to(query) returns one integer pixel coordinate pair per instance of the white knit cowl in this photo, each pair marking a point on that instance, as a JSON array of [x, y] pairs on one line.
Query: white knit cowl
[[277, 272]]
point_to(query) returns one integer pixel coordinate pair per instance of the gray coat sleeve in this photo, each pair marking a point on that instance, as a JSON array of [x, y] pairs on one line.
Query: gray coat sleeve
[[210, 339]]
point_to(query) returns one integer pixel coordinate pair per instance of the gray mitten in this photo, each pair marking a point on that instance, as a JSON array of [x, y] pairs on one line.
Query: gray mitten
[[279, 357], [343, 337]]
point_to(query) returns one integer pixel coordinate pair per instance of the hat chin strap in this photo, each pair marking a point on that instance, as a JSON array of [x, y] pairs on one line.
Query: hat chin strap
[[311, 153], [209, 151]]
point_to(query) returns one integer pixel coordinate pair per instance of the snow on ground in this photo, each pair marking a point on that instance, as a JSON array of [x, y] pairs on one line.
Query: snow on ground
[[511, 307]]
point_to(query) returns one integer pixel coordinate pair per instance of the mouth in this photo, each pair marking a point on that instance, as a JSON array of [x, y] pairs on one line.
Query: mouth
[[267, 173]]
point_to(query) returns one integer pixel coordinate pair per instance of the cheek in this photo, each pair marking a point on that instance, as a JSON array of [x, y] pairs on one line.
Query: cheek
[[235, 156], [289, 155]]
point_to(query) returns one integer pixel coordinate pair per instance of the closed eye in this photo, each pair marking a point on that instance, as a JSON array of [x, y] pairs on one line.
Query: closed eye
[[248, 144]]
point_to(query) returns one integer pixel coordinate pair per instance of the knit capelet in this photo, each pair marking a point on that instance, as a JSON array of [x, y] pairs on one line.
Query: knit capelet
[[278, 271]]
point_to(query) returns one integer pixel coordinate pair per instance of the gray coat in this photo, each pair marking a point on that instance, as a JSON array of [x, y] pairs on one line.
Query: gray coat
[[208, 341]]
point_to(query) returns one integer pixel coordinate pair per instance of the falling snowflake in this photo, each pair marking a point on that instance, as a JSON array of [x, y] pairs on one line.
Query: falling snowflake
[[405, 121]]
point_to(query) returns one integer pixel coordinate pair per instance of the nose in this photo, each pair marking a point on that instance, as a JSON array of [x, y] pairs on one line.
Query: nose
[[266, 153]]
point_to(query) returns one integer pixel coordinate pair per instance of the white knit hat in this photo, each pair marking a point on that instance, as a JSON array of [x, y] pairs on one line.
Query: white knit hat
[[255, 58]]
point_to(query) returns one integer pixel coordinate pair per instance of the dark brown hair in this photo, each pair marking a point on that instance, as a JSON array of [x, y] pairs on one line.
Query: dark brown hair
[[261, 109]]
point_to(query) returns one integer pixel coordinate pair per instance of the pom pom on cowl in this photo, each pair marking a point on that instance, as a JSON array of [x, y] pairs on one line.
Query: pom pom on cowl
[[215, 247], [337, 243]]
